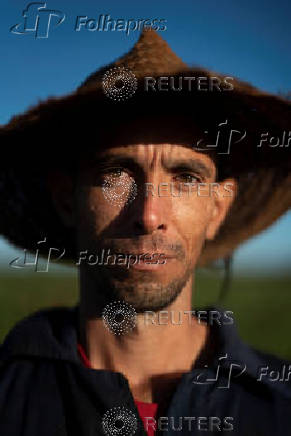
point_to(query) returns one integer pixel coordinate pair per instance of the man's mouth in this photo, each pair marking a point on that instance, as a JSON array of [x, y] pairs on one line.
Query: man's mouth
[[153, 264], [157, 254], [141, 259]]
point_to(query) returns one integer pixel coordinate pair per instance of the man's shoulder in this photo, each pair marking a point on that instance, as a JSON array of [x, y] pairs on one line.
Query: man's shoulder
[[252, 371], [266, 375], [42, 333]]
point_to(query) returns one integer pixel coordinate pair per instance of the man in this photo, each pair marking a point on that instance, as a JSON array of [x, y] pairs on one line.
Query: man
[[129, 171]]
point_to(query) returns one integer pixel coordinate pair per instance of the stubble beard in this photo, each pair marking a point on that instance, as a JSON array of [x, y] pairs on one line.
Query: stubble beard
[[144, 294]]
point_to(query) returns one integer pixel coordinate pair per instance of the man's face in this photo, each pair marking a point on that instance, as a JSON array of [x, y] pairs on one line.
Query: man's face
[[121, 205]]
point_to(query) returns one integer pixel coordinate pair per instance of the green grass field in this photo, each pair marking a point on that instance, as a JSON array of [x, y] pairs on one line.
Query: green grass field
[[261, 305]]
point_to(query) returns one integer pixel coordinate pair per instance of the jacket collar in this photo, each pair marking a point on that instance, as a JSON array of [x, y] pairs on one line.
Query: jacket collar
[[52, 334]]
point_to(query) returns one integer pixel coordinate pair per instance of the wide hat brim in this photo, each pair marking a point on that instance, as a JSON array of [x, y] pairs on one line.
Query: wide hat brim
[[54, 132]]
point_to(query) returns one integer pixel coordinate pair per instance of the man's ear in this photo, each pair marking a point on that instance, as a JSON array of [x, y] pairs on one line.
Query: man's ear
[[223, 194], [61, 186]]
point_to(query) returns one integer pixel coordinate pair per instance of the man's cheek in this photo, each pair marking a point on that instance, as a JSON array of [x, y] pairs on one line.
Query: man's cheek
[[193, 217], [195, 242], [102, 213]]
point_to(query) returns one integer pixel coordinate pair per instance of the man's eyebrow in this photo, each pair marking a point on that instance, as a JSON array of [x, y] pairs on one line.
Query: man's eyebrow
[[195, 165], [189, 165], [122, 160]]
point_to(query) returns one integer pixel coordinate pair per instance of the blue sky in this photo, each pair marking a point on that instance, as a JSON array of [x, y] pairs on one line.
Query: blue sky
[[247, 39]]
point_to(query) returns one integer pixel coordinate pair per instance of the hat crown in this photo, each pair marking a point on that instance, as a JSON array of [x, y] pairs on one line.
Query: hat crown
[[150, 56]]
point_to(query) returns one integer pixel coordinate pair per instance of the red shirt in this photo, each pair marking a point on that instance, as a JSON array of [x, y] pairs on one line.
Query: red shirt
[[146, 410]]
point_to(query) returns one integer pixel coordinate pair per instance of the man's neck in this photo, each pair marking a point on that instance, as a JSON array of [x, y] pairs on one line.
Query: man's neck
[[155, 354]]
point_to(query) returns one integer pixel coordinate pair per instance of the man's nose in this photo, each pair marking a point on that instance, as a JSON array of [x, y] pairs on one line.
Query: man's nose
[[153, 212]]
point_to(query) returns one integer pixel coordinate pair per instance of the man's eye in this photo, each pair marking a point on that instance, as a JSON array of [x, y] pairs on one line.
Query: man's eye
[[114, 172], [187, 178]]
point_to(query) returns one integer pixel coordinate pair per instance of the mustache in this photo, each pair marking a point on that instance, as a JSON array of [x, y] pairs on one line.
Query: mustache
[[144, 245]]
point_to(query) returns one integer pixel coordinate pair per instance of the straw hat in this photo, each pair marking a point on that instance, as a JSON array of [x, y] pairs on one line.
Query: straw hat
[[115, 105]]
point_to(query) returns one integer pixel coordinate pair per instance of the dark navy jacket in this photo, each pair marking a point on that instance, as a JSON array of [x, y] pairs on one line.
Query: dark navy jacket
[[45, 390]]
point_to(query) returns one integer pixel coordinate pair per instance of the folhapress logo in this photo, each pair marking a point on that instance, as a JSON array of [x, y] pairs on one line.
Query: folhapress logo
[[37, 20]]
